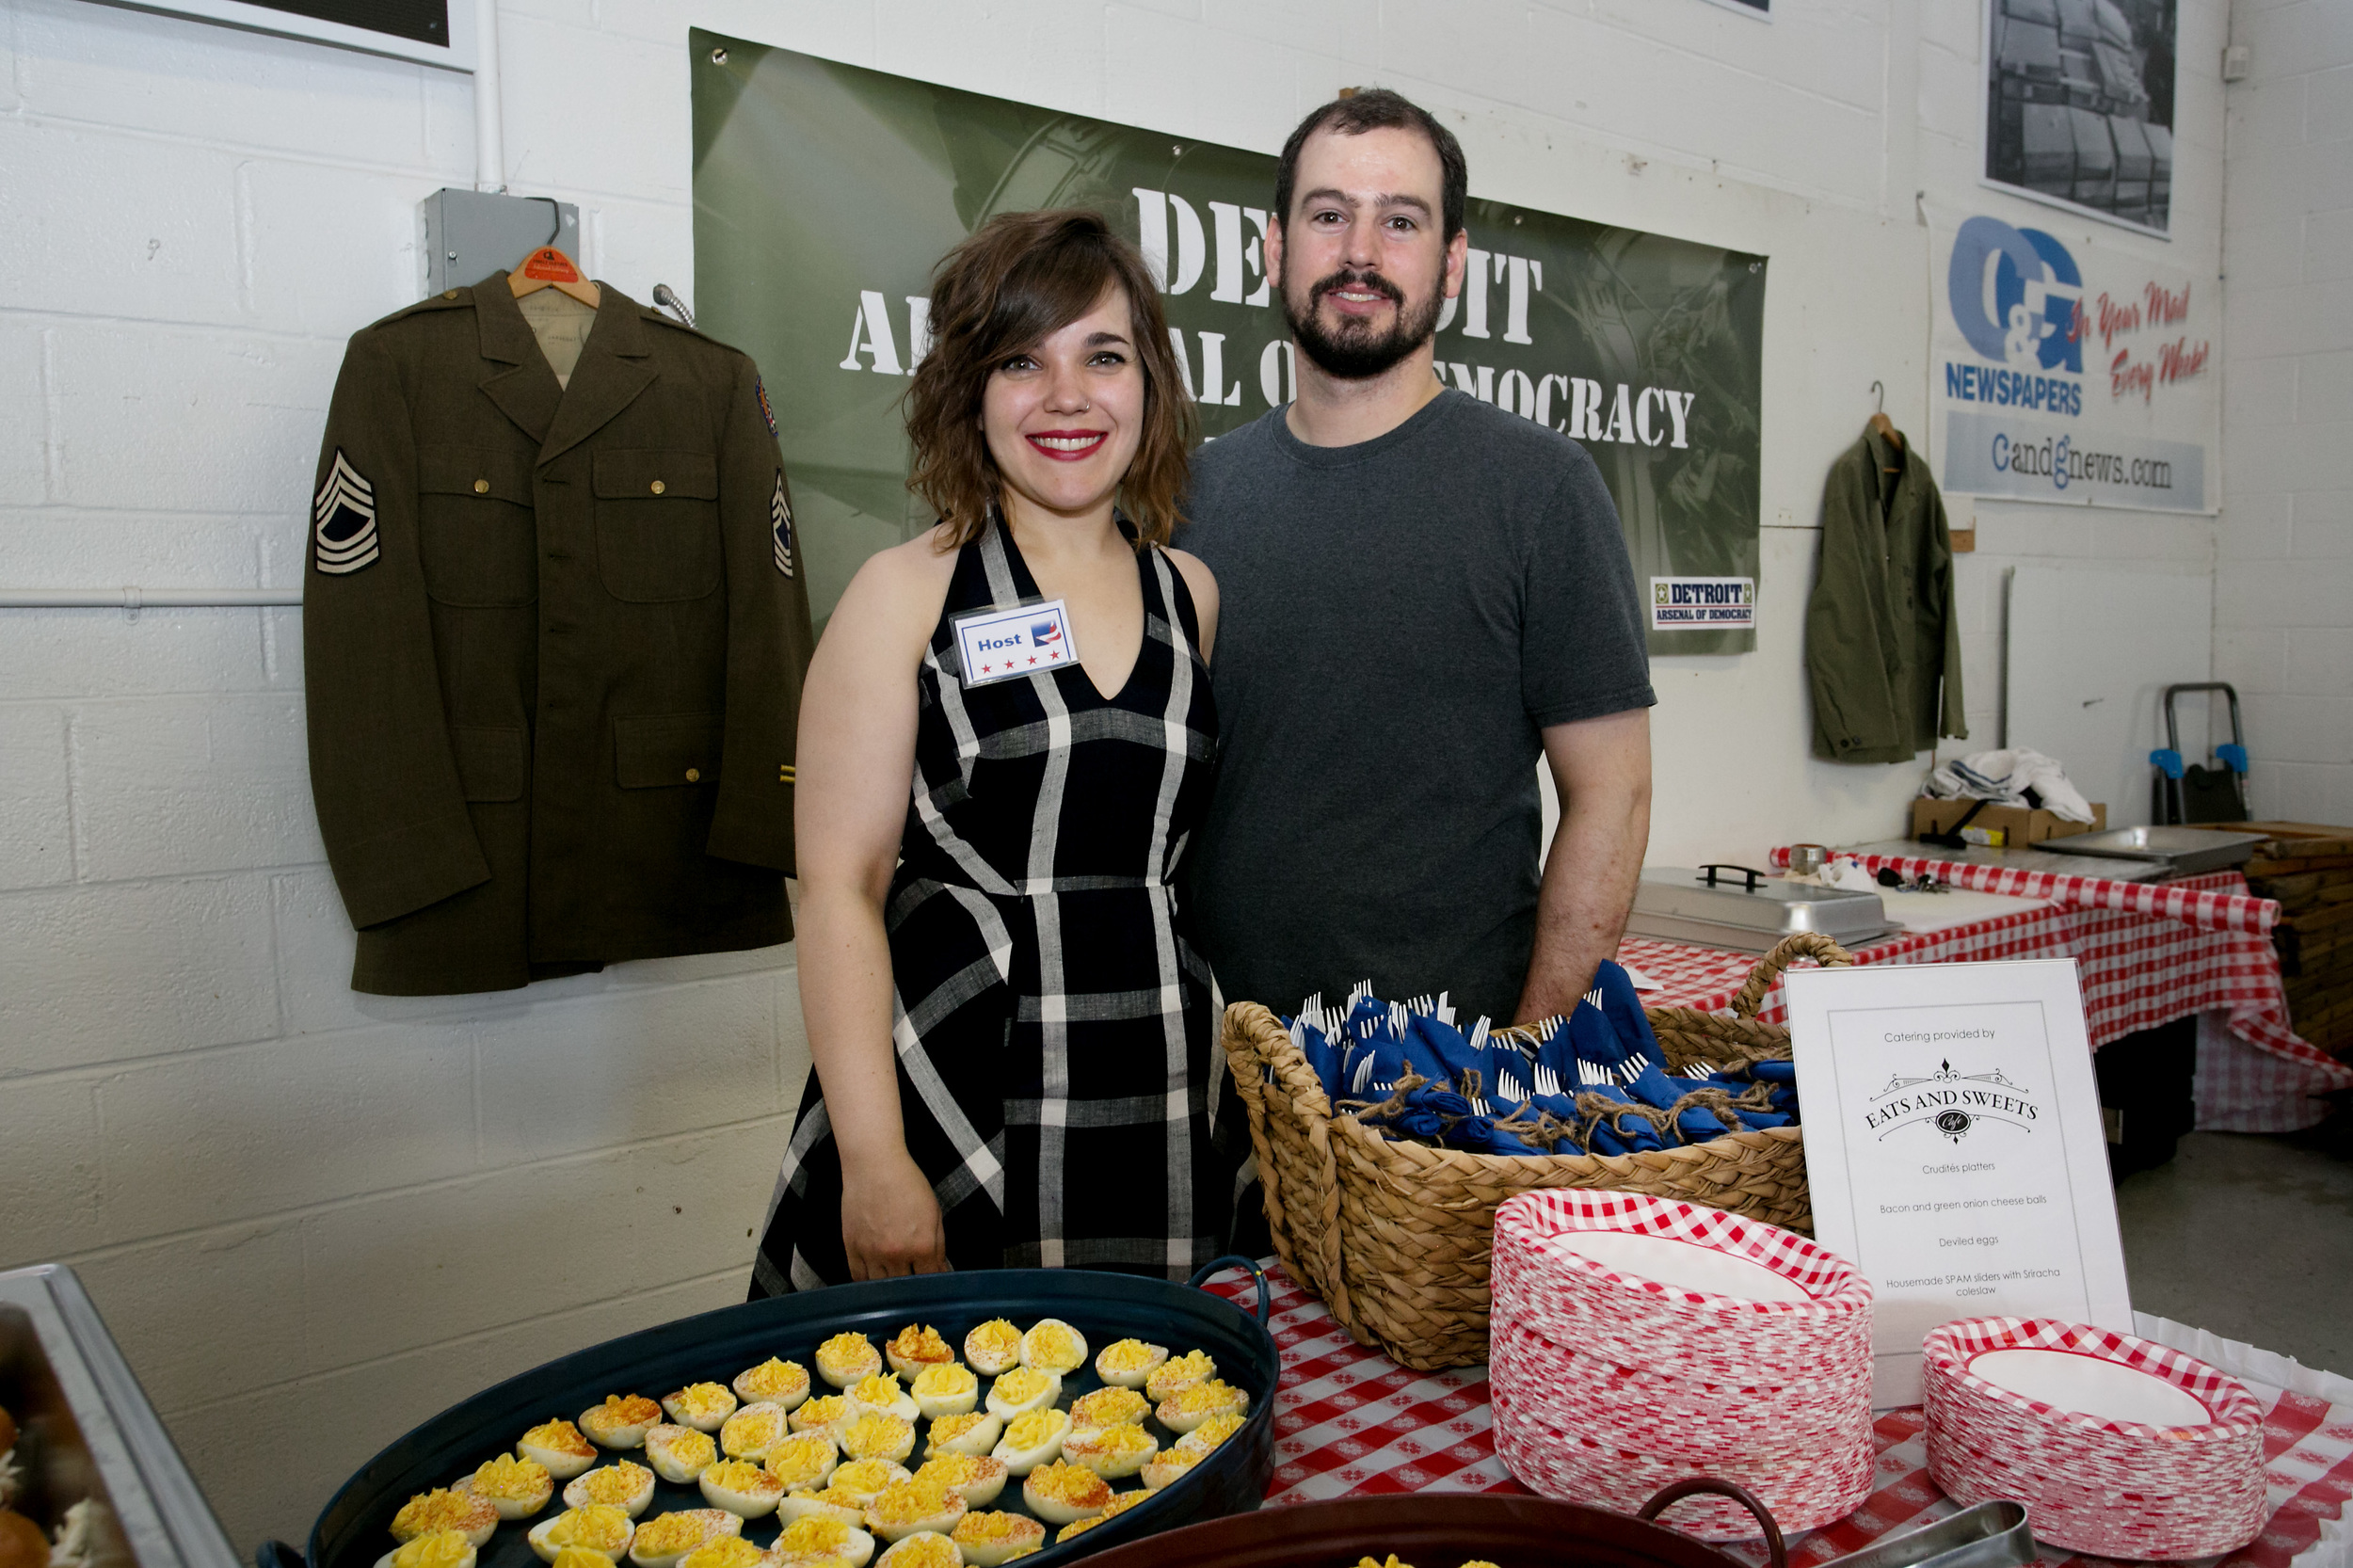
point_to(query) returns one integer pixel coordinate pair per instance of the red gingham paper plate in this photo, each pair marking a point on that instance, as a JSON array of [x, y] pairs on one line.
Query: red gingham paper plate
[[1835, 1287], [2096, 1483]]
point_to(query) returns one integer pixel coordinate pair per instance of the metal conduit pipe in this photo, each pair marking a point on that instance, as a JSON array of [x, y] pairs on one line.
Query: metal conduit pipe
[[135, 598]]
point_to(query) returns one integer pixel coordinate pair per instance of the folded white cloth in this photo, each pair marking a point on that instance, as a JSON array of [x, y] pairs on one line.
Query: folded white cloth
[[1849, 875], [2003, 777]]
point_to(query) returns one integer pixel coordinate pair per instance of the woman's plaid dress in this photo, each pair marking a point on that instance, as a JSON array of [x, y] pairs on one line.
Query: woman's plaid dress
[[1053, 1020]]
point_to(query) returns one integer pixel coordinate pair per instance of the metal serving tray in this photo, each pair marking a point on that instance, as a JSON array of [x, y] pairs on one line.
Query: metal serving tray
[[2183, 850], [355, 1528], [1748, 911], [87, 1432]]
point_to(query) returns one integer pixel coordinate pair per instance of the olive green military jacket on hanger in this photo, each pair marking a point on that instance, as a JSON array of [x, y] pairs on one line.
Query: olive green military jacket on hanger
[[1881, 635], [552, 643]]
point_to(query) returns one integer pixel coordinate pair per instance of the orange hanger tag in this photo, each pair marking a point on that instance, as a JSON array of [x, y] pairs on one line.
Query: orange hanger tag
[[550, 264]]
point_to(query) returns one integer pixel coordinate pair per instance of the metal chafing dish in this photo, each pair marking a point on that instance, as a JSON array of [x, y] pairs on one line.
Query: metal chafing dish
[[88, 1435], [2182, 850], [1746, 910]]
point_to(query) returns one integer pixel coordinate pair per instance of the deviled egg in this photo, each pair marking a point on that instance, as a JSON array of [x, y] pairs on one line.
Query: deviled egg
[[882, 1395], [1179, 1372], [1188, 1408], [741, 1487], [1120, 1504], [1109, 1407], [580, 1557], [989, 1538], [1031, 1440], [624, 1484], [976, 1477], [1064, 1494], [443, 1509], [679, 1454], [598, 1527], [433, 1549], [907, 1506], [815, 1537], [1126, 1362], [804, 1461], [847, 1357], [701, 1405], [727, 1551], [1216, 1430], [993, 1348], [1022, 1390], [661, 1542], [753, 1431], [517, 1488], [557, 1448], [973, 1434], [924, 1549], [1112, 1452], [1053, 1346], [863, 1480], [773, 1382], [822, 1414], [873, 1435], [915, 1348], [824, 1504], [1167, 1466], [950, 1389], [621, 1421]]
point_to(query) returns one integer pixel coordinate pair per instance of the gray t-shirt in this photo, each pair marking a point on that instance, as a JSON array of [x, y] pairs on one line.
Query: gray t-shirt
[[1398, 621]]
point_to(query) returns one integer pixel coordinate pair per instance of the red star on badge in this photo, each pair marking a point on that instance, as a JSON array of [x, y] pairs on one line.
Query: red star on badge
[[1032, 658], [1053, 656], [984, 669]]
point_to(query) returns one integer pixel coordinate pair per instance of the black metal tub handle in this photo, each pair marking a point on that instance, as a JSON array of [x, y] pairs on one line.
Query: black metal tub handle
[[1698, 1484], [1250, 1266]]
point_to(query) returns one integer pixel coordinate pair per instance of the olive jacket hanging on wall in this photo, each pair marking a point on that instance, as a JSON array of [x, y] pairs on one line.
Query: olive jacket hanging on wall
[[1881, 631], [553, 637]]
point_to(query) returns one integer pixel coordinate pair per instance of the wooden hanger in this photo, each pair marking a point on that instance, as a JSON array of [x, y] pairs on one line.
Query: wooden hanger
[[550, 268], [1883, 426]]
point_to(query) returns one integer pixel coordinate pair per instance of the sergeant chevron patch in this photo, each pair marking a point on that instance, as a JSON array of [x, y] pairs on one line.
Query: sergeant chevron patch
[[780, 521], [344, 515]]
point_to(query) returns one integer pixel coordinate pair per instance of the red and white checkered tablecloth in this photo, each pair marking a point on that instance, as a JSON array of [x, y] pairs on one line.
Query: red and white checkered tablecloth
[[1350, 1422], [2140, 970]]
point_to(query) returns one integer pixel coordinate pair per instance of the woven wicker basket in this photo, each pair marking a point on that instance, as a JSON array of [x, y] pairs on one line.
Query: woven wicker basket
[[1395, 1237]]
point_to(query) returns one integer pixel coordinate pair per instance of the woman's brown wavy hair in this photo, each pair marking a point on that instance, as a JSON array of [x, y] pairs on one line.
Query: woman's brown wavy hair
[[1018, 279]]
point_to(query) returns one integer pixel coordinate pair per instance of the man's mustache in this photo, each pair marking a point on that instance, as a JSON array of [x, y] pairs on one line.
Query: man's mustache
[[1347, 279]]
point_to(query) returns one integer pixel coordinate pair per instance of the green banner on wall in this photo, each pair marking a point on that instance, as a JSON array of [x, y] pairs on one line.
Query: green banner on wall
[[824, 194]]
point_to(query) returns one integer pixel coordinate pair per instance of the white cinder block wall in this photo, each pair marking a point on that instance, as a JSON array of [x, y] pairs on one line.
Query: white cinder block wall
[[313, 1218], [2283, 585]]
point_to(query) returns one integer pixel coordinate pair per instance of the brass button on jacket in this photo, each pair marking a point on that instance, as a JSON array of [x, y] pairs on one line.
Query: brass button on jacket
[[500, 801]]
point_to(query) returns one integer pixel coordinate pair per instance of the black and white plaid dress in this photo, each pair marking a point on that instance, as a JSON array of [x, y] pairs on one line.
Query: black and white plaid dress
[[1053, 1020]]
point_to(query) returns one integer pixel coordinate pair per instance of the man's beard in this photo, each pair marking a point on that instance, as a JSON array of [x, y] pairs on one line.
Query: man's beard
[[1357, 349]]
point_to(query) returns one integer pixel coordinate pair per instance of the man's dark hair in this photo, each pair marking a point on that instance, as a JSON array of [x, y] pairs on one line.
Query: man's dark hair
[[1379, 109]]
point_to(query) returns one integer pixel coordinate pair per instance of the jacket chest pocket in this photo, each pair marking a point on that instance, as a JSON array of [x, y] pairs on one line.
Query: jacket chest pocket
[[658, 751], [657, 524], [477, 532]]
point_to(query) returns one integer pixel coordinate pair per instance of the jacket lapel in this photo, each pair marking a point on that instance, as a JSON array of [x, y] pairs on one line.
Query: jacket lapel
[[525, 390], [616, 365]]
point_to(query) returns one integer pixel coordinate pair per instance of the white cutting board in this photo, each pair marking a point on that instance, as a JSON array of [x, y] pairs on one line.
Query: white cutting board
[[2090, 650], [1924, 912]]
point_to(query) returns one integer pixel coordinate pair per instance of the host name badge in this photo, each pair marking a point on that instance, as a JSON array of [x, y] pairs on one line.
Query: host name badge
[[998, 645]]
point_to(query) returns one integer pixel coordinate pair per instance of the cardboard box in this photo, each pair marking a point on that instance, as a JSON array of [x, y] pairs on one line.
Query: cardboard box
[[2018, 826]]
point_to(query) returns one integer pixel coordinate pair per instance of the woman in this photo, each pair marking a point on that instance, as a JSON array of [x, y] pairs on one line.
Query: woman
[[1012, 1033]]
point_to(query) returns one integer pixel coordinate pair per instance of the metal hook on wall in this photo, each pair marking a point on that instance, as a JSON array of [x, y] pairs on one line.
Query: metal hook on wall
[[1879, 394]]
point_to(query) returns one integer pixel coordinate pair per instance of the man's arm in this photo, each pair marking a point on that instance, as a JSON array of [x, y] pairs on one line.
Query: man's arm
[[1602, 769]]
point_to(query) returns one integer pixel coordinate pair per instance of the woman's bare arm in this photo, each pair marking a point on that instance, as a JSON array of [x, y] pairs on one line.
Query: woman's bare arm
[[855, 760]]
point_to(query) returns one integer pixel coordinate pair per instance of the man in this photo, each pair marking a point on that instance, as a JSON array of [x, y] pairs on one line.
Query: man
[[1422, 595]]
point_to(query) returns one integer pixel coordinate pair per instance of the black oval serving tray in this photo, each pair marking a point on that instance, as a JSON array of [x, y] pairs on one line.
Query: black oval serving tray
[[355, 1528]]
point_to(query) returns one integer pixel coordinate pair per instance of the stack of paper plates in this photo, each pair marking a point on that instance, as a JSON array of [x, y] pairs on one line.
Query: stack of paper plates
[[2121, 1447], [1635, 1342]]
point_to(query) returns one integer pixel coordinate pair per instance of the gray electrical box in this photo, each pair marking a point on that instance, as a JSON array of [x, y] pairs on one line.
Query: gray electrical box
[[469, 235]]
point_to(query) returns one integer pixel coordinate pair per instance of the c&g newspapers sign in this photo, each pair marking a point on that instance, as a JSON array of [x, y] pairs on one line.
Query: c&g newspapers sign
[[2059, 382], [824, 194]]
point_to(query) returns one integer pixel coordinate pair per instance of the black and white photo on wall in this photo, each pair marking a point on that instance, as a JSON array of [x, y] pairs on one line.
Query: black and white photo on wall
[[2079, 106]]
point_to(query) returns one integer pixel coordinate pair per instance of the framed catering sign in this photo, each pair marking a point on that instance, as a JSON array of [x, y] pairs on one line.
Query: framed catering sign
[[438, 32], [824, 194]]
